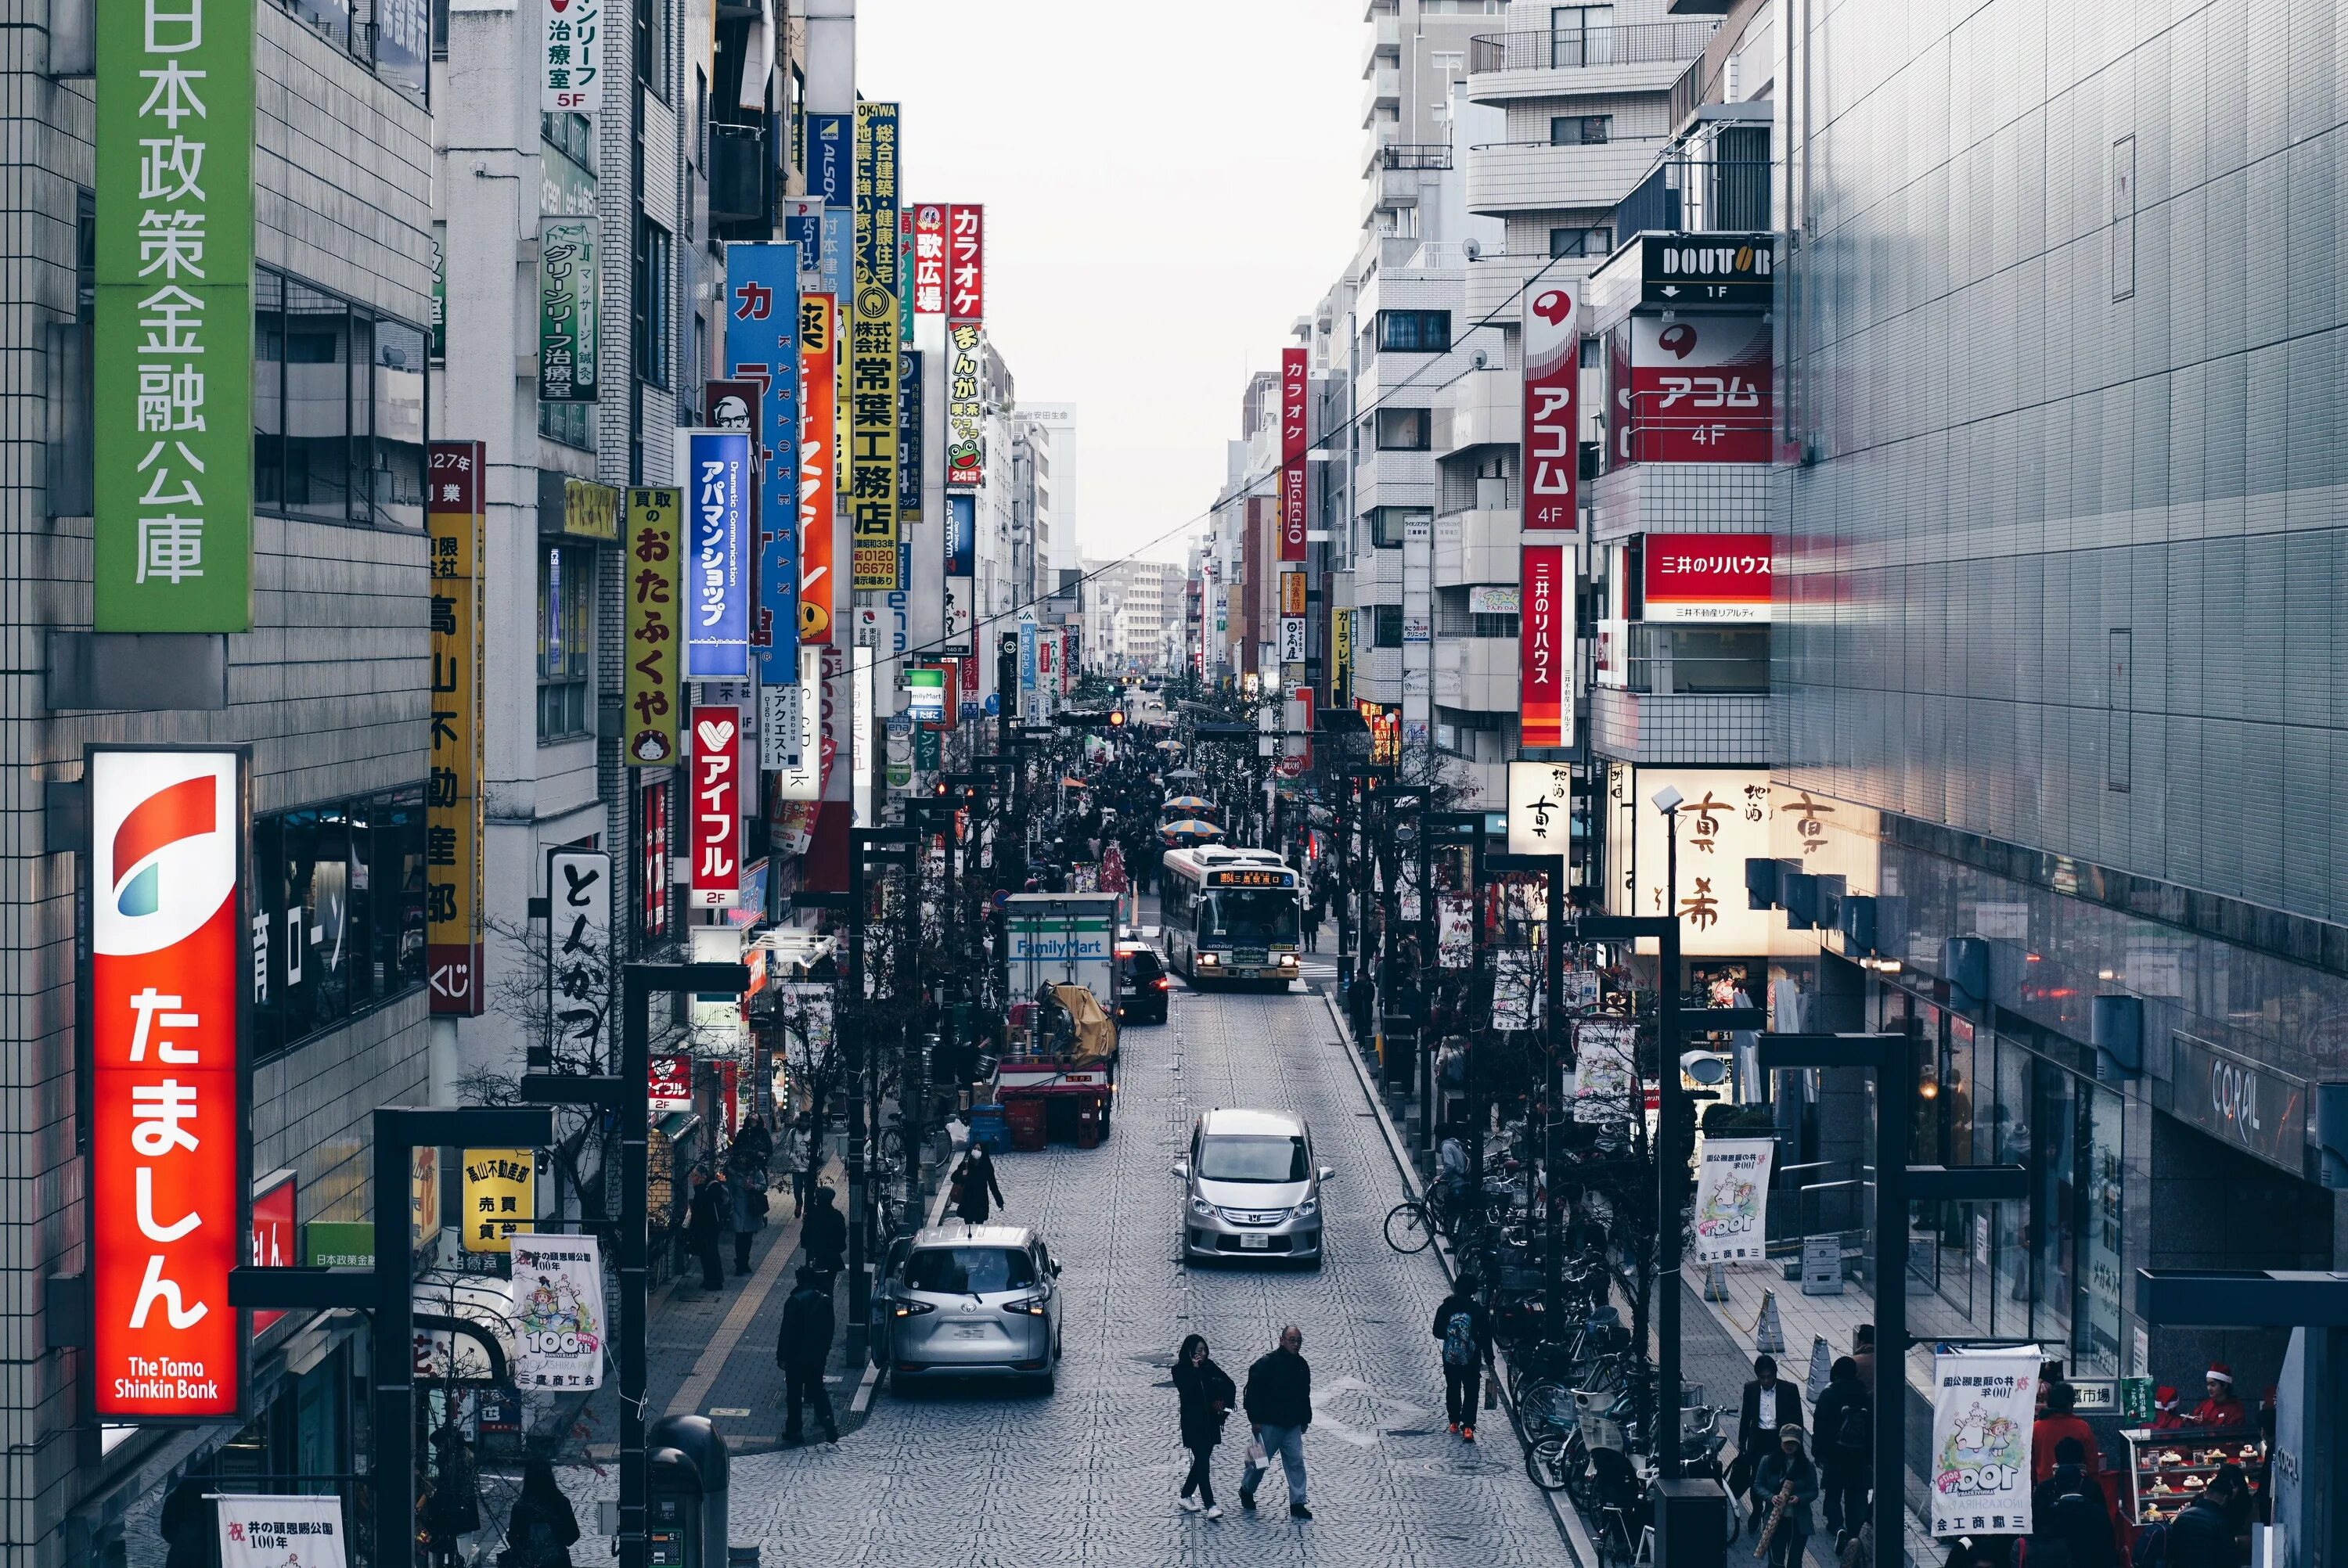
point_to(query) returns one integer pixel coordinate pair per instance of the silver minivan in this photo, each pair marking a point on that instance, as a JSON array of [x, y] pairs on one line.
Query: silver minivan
[[1251, 1188], [972, 1301]]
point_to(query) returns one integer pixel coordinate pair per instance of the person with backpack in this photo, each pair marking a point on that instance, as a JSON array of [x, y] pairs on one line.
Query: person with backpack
[[542, 1528], [1466, 1330], [1843, 1422], [2058, 1424], [2070, 1515], [2205, 1532]]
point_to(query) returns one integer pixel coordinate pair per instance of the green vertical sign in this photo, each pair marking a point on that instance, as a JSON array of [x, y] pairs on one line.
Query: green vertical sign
[[174, 362], [566, 310]]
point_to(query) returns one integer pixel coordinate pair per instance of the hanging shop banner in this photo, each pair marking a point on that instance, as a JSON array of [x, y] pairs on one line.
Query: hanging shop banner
[[1545, 646], [1553, 446], [1983, 1405], [762, 344], [1455, 937], [452, 795], [578, 959], [801, 779], [558, 1312], [962, 564], [1707, 577], [1605, 1070], [1294, 381], [872, 356], [1723, 821], [170, 1112], [713, 476], [1516, 984], [1732, 1199], [714, 841], [909, 436], [567, 297], [172, 409], [1291, 593], [654, 858], [1291, 640], [818, 460], [925, 690], [305, 1531], [965, 263], [655, 593], [571, 57], [501, 1197], [1340, 651], [668, 1083], [1708, 270], [1540, 808], [830, 174], [779, 728], [929, 259], [1700, 389], [806, 1010], [965, 406]]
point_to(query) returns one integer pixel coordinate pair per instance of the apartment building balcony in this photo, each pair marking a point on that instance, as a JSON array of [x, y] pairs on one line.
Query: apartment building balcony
[[1642, 57], [1477, 546], [1385, 39], [1482, 408], [1538, 176], [1718, 195], [1477, 673], [1381, 90], [1395, 479]]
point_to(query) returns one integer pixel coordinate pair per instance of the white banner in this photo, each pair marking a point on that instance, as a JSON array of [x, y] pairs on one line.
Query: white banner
[[577, 956], [779, 731], [1605, 1069], [1732, 1199], [1983, 1402], [558, 1312], [259, 1531], [1516, 988]]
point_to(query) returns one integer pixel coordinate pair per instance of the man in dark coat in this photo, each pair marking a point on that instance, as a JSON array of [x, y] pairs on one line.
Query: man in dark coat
[[824, 1234], [712, 1211], [1843, 1437], [1279, 1404], [802, 1350], [1770, 1406]]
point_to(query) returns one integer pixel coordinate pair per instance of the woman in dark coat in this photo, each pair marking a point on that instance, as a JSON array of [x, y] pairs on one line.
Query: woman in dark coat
[[542, 1528], [971, 1184], [1207, 1396]]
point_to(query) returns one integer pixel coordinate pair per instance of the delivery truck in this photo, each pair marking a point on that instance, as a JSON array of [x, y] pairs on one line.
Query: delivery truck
[[1057, 1078]]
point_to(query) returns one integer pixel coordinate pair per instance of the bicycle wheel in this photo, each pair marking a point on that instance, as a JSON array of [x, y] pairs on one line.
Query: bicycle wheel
[[1409, 1227], [1543, 1406], [1545, 1462]]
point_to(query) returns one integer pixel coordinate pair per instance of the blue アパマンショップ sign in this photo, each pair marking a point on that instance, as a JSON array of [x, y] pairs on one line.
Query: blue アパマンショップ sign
[[712, 475]]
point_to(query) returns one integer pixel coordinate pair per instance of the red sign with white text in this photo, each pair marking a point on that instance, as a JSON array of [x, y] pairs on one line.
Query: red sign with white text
[[1707, 577], [818, 461], [169, 958], [1552, 344], [1700, 389], [965, 263], [716, 812], [656, 855], [1545, 646], [1293, 383], [274, 1243], [668, 1083], [929, 259]]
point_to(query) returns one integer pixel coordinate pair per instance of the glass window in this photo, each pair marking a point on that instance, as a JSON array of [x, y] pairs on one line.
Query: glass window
[[341, 911], [969, 1270], [1387, 632], [1580, 129], [1414, 332], [391, 488], [651, 300], [318, 392], [1234, 1158], [1597, 242], [337, 408], [1580, 35], [1404, 429], [565, 589]]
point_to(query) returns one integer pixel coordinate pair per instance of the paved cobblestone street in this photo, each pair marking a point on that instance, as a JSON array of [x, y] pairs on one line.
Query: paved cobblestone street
[[986, 1476]]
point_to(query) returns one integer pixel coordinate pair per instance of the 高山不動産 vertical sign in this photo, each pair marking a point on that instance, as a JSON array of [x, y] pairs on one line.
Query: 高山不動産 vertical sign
[[172, 381]]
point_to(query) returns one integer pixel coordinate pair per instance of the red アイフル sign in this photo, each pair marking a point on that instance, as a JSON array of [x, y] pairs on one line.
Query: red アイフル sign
[[965, 263], [929, 259], [1544, 646], [170, 959], [716, 812], [1552, 368], [1294, 374], [1707, 577], [668, 1083]]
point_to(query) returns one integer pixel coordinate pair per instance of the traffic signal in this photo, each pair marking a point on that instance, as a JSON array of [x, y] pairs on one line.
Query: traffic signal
[[1089, 718]]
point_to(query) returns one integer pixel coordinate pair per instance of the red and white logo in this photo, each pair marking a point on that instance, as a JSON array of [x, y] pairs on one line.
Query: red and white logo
[[167, 1202], [716, 810]]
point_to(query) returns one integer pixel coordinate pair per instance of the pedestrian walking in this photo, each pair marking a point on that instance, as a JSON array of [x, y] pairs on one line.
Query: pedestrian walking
[[749, 1218], [1790, 1481], [790, 1162], [823, 1235], [2069, 1507], [1207, 1396], [542, 1527], [973, 1182], [712, 1211], [1769, 1406], [1279, 1404], [802, 1350], [1313, 927], [452, 1506], [1844, 1421], [1466, 1330], [2060, 1419]]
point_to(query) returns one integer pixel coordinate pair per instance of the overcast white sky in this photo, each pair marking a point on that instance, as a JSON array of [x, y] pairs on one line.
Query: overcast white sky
[[1167, 189]]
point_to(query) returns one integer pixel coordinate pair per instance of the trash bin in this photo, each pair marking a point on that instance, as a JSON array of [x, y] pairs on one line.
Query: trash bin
[[685, 1486]]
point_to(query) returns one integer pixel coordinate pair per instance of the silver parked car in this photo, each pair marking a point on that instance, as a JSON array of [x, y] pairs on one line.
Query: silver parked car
[[1252, 1188], [972, 1301]]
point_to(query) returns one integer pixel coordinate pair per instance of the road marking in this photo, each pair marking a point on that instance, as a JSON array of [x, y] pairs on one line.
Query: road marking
[[726, 1410], [745, 1311]]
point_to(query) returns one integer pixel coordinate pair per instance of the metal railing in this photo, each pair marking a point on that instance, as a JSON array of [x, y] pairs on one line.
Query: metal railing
[[1434, 154], [1715, 196], [1637, 44]]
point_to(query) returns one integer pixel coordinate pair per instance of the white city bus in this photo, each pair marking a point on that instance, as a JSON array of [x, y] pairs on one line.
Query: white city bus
[[1230, 914]]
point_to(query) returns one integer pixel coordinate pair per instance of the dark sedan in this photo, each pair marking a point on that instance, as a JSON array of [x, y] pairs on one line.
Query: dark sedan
[[1145, 983]]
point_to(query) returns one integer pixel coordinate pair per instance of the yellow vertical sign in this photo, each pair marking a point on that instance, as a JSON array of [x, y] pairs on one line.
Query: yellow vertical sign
[[873, 361], [1340, 633], [501, 1197], [452, 791], [654, 596]]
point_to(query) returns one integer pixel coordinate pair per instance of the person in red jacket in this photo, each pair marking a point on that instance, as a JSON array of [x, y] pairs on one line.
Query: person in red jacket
[[2060, 1421], [2166, 1418], [2220, 1410]]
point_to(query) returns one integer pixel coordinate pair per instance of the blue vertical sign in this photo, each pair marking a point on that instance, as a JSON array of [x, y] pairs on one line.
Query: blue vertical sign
[[1027, 697], [962, 535], [762, 344], [714, 473], [831, 148]]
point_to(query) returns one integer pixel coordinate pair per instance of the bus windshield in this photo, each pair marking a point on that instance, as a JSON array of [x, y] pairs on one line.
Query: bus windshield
[[1250, 916]]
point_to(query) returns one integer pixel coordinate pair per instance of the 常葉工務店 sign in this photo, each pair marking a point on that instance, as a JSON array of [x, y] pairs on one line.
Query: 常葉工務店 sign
[[1707, 577], [169, 956]]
